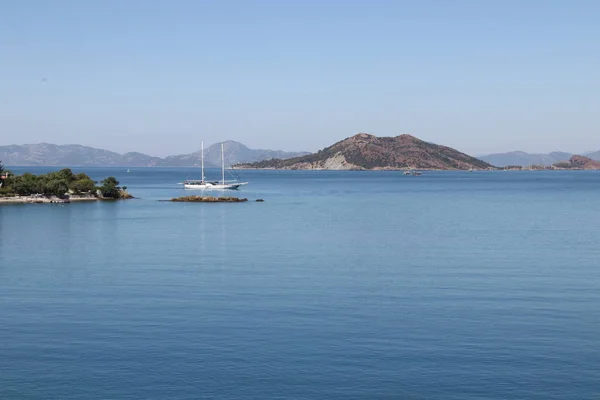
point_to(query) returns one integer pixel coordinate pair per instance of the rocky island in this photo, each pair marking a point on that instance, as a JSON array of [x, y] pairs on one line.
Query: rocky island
[[208, 199], [578, 162], [57, 187], [368, 152]]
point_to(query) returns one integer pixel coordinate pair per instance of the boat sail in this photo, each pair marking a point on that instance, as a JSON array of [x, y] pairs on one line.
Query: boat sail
[[213, 185]]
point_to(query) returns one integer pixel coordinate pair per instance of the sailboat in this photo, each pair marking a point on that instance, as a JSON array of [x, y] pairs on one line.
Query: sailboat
[[213, 185]]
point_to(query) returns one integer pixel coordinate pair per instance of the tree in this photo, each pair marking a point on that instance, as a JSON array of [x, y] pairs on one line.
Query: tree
[[80, 176], [56, 187], [82, 185], [110, 188], [111, 180], [66, 174], [6, 192], [26, 185]]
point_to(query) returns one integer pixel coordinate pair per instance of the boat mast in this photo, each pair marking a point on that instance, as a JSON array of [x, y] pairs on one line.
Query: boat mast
[[202, 158], [222, 165]]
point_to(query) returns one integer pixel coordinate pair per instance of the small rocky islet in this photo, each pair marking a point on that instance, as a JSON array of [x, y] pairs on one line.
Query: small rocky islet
[[211, 199], [208, 199]]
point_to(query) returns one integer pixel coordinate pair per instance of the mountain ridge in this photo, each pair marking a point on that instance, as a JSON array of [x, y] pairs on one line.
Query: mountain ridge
[[594, 155], [365, 151], [79, 155]]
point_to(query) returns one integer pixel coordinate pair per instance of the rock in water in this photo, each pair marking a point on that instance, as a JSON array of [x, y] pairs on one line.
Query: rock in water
[[208, 199]]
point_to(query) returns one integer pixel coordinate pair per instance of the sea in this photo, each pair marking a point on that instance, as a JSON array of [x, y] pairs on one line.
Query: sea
[[340, 285]]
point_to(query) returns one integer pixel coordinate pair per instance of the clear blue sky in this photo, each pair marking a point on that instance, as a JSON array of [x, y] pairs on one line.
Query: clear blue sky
[[160, 76]]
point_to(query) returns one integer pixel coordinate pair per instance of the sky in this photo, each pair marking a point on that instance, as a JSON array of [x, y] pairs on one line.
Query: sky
[[159, 77]]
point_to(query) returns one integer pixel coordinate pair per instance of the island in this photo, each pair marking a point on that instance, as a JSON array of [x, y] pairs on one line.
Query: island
[[577, 162], [62, 186], [208, 199], [368, 152]]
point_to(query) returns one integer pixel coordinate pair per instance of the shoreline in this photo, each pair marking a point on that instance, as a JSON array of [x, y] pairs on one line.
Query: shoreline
[[414, 169], [53, 199]]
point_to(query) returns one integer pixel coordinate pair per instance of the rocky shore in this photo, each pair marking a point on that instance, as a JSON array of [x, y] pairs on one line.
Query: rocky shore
[[41, 199], [33, 200]]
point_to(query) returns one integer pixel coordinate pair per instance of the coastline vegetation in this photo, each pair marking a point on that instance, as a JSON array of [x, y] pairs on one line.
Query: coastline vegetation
[[61, 184]]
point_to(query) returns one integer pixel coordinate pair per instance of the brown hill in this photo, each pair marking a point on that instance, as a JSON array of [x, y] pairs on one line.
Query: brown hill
[[364, 151], [578, 162]]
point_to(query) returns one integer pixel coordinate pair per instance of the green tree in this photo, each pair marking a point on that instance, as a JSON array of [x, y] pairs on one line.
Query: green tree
[[110, 188], [80, 176], [111, 180], [26, 184], [6, 191], [66, 174], [82, 185], [56, 187]]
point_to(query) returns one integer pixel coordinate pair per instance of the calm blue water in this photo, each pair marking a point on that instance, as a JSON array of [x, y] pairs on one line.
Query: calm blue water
[[341, 285]]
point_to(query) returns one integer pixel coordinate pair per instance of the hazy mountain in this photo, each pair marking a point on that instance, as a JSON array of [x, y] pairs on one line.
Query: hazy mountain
[[364, 151], [133, 159], [76, 155], [522, 158], [235, 153], [51, 154], [594, 155]]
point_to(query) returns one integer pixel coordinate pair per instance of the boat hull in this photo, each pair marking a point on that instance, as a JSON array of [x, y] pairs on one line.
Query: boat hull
[[214, 186]]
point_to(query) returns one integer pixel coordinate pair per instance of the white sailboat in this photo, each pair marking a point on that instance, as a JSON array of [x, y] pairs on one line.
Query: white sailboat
[[213, 185]]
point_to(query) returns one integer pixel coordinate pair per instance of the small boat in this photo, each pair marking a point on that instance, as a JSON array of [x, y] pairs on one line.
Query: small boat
[[416, 173], [127, 170], [203, 184], [407, 173]]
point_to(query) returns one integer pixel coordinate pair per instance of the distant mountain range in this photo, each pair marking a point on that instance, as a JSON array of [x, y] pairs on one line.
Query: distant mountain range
[[369, 152], [77, 155], [361, 151], [594, 155], [523, 158]]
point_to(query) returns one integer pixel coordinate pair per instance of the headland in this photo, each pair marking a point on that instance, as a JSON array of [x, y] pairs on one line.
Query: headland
[[57, 187]]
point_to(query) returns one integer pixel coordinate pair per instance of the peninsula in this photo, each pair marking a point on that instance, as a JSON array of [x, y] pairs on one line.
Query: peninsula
[[57, 187], [368, 152]]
